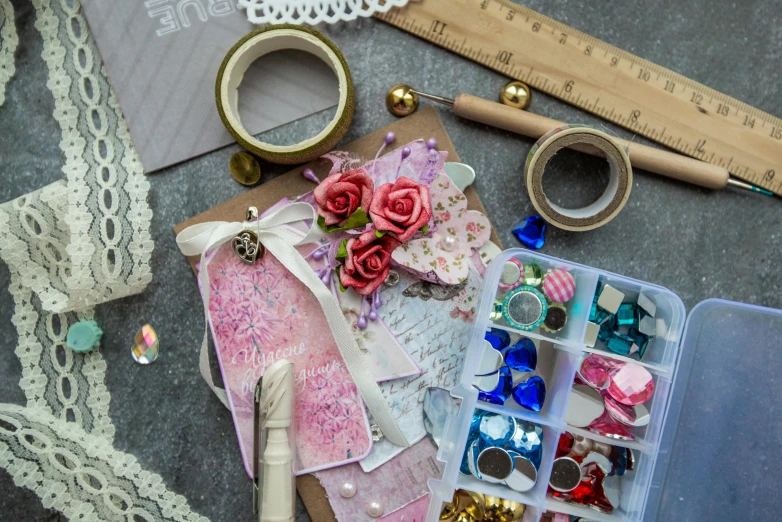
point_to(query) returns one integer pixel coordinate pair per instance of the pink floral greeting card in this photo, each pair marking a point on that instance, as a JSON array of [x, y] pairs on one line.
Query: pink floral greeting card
[[260, 313]]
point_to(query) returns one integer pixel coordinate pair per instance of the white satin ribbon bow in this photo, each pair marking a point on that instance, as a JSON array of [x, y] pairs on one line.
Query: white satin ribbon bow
[[199, 239]]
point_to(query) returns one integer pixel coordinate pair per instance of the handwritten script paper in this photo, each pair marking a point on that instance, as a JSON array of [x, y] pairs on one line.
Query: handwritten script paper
[[435, 333]]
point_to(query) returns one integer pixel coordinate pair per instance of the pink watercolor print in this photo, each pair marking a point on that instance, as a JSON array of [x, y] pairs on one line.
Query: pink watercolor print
[[261, 313]]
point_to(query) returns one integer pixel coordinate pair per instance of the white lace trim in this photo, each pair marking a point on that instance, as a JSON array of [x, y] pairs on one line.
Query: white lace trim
[[313, 11], [69, 246], [9, 40], [80, 474]]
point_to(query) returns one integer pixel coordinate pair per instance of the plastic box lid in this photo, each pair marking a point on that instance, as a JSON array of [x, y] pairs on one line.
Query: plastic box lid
[[720, 452]]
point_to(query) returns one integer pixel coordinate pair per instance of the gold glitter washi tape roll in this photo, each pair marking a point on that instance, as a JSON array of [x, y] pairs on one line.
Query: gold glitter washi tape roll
[[607, 205], [276, 38]]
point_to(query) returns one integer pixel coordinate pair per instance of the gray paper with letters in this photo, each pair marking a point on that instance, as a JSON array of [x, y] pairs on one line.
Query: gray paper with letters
[[162, 57]]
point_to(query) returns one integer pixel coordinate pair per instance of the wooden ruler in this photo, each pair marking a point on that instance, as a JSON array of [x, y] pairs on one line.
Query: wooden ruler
[[597, 77]]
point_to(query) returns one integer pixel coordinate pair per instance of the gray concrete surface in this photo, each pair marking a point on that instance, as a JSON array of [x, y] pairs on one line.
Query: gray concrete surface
[[698, 243]]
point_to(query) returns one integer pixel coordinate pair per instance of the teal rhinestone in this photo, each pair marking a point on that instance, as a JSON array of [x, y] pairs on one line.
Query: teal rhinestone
[[641, 340], [627, 315], [621, 344], [607, 327]]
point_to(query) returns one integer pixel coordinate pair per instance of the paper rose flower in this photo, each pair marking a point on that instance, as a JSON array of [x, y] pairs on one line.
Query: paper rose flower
[[366, 261], [402, 208], [343, 199], [443, 257]]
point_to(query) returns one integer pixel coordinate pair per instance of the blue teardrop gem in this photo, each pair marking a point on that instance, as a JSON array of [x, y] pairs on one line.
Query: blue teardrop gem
[[502, 392], [530, 232], [530, 394], [499, 339], [522, 356]]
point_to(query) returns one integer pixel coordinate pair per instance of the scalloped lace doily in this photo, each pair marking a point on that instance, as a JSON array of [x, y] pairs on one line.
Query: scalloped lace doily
[[9, 40], [313, 11], [70, 246]]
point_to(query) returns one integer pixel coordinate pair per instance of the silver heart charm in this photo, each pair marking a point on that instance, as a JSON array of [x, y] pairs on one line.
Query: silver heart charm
[[246, 246]]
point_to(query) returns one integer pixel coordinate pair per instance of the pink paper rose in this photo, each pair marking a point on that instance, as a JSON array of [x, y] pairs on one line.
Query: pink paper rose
[[367, 263], [402, 208], [339, 195]]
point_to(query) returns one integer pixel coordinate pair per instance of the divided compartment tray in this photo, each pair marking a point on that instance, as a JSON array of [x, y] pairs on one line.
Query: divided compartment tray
[[559, 356]]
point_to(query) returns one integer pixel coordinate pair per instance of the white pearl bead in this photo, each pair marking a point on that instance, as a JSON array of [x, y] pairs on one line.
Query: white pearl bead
[[375, 509], [347, 490], [448, 243]]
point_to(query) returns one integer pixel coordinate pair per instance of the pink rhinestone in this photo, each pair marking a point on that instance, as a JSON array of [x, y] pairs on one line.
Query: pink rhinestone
[[608, 427], [631, 385], [596, 371]]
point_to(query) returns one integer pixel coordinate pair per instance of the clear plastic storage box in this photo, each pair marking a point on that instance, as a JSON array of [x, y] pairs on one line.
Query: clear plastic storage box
[[720, 386]]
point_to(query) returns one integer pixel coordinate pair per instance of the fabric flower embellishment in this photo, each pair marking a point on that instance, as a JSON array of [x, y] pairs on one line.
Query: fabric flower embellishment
[[366, 261], [342, 200], [402, 208], [443, 258]]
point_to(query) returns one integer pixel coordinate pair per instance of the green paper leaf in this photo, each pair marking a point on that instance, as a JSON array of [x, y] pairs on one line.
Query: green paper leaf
[[380, 234], [342, 253], [425, 229], [339, 282], [359, 218]]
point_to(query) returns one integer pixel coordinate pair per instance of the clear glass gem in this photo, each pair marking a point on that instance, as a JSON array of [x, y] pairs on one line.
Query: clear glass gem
[[497, 429], [438, 405], [146, 347], [531, 232]]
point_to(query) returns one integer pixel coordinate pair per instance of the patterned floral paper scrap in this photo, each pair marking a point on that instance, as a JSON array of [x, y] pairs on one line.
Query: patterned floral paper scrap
[[433, 323], [261, 313], [395, 484]]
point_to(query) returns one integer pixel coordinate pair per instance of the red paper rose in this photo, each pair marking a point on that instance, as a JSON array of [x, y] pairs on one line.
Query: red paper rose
[[367, 263], [340, 195], [402, 208]]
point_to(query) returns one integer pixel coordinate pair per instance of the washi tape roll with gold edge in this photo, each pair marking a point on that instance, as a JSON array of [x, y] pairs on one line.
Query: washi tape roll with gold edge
[[275, 38], [607, 206]]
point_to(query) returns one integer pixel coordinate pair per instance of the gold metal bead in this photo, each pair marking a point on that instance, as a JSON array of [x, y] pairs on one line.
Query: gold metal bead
[[466, 506], [497, 509], [245, 168], [516, 94], [401, 100]]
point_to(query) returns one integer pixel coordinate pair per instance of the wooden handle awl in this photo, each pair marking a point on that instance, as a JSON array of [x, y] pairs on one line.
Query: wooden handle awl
[[643, 157]]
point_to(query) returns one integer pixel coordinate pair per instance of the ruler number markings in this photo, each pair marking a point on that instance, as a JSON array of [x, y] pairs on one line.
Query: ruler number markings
[[505, 60]]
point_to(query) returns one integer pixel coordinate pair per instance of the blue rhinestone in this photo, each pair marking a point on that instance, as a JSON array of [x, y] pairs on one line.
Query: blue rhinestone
[[535, 456], [530, 394], [528, 437], [522, 356], [475, 424], [464, 468], [502, 392], [531, 232], [499, 339], [473, 450], [619, 460], [497, 429]]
